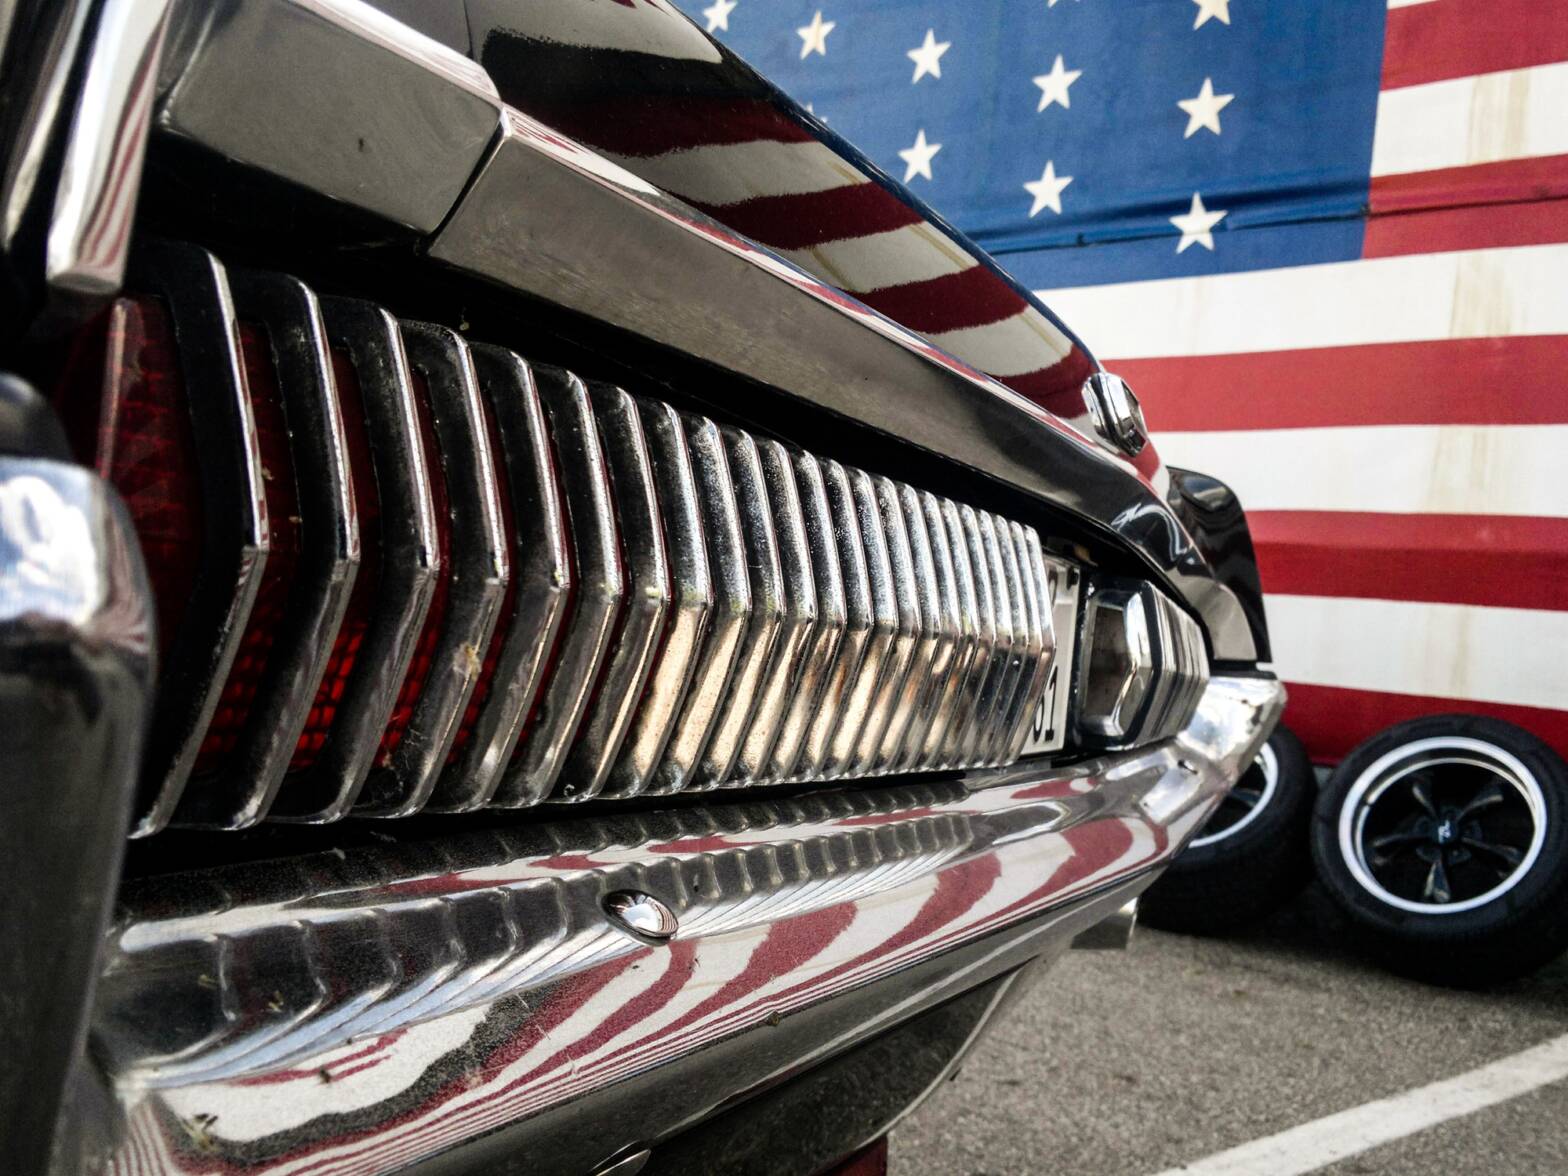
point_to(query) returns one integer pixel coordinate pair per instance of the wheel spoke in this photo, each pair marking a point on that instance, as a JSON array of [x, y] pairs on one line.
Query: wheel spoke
[[1396, 841], [1506, 853], [1488, 796], [1437, 888], [1247, 800], [1421, 789]]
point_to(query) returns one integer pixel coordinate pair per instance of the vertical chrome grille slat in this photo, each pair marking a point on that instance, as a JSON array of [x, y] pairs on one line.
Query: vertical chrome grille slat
[[831, 717], [647, 598], [598, 590], [973, 646], [986, 672], [799, 621], [692, 598], [408, 565], [767, 610], [541, 579], [843, 750], [729, 617], [478, 570], [1036, 620], [1011, 633], [888, 712], [832, 617], [242, 790], [908, 723], [194, 286], [923, 514]]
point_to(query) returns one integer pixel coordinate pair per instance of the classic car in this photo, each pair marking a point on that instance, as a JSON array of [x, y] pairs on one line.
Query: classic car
[[553, 617]]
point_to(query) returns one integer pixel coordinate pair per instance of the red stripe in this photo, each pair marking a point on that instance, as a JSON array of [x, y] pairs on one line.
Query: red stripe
[[1515, 380], [814, 218], [1478, 226], [1331, 720], [1458, 38], [1501, 561], [1059, 388], [1511, 181], [969, 298], [622, 125]]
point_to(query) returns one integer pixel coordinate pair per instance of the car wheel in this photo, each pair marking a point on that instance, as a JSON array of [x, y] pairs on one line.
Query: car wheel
[[1251, 857], [1445, 840]]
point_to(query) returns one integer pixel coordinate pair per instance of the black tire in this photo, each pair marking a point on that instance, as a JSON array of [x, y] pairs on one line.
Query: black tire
[[1400, 833], [1250, 859]]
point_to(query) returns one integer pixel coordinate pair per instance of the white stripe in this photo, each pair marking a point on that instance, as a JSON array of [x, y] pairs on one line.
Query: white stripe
[[913, 253], [1469, 652], [1324, 1141], [1473, 293], [1484, 118], [1398, 469], [727, 173], [1406, 3], [1022, 343]]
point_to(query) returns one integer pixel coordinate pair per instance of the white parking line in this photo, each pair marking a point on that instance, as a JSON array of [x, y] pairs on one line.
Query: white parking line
[[1323, 1141]]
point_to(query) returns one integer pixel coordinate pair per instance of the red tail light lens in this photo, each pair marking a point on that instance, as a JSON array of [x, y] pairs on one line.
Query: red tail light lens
[[361, 602], [430, 635], [283, 515]]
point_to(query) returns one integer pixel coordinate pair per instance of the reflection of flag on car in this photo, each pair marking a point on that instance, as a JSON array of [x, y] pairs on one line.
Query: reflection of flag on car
[[1327, 244]]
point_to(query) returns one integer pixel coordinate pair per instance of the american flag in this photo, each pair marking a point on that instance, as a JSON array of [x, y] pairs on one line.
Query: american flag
[[1327, 243]]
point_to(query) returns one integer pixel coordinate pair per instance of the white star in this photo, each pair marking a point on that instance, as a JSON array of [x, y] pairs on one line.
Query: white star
[[917, 159], [1047, 190], [1217, 9], [1053, 86], [814, 37], [928, 57], [718, 14], [1195, 225], [1204, 110]]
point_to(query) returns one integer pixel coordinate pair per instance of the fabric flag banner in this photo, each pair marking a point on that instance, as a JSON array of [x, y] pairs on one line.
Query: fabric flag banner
[[1327, 244]]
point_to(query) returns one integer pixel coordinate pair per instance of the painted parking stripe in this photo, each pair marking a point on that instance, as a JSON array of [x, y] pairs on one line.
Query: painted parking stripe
[[1324, 1141]]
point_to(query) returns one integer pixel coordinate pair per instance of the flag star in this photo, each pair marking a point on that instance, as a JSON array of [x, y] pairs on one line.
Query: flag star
[[928, 56], [1196, 225], [1204, 110], [1053, 86], [718, 14], [814, 37], [1047, 190], [917, 159], [1211, 9]]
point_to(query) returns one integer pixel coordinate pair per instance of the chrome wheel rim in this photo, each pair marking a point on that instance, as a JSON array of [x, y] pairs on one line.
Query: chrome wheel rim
[[1245, 802], [1441, 826]]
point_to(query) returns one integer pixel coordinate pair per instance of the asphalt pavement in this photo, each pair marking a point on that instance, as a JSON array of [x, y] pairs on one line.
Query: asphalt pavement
[[1135, 1063]]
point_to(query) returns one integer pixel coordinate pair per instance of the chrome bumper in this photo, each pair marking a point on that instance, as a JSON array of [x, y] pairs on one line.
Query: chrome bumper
[[367, 1010]]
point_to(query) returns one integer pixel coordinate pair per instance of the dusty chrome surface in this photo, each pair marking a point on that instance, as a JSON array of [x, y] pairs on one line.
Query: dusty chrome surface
[[478, 569], [446, 988], [90, 231], [76, 669], [408, 565], [242, 790], [332, 95], [194, 285]]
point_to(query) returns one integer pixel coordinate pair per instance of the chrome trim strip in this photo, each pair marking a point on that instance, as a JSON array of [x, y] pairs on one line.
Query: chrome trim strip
[[731, 613], [821, 655], [648, 594], [516, 996], [242, 791], [541, 579], [478, 572], [100, 176], [195, 288], [767, 614], [692, 599], [669, 274], [799, 621], [599, 588], [1029, 639], [408, 562], [373, 114]]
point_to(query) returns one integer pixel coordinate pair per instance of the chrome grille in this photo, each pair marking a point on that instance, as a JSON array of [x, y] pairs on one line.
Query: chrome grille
[[617, 599]]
